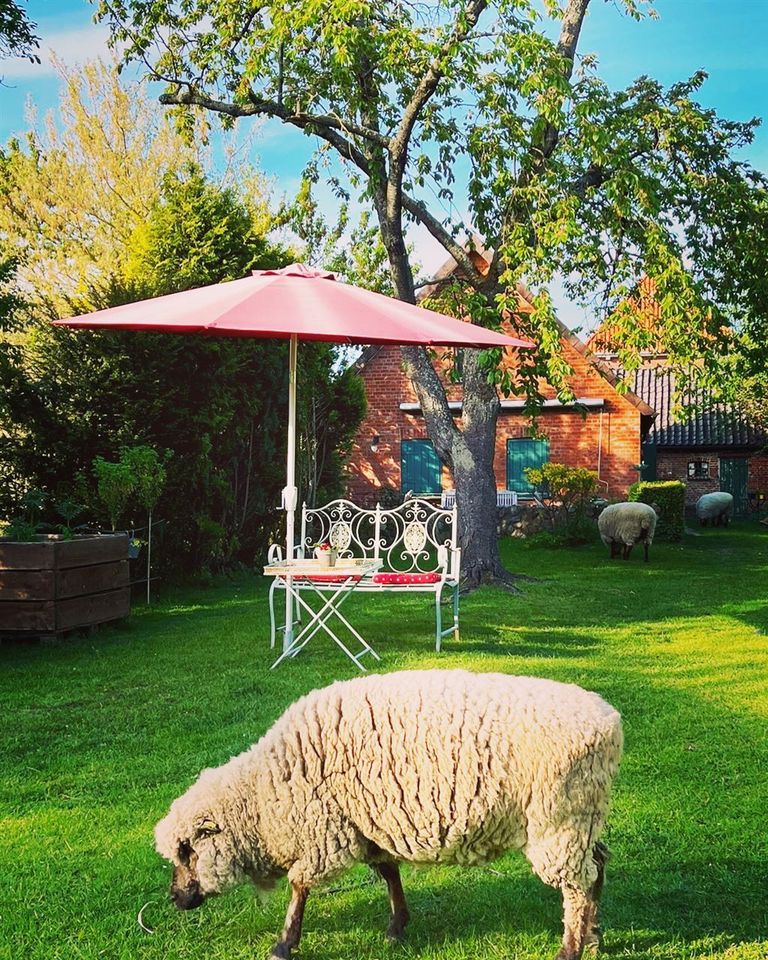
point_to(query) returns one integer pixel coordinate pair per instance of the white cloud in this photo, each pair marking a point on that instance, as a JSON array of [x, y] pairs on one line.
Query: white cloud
[[69, 46]]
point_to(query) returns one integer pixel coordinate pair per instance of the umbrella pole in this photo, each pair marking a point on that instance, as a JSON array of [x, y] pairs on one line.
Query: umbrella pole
[[290, 493]]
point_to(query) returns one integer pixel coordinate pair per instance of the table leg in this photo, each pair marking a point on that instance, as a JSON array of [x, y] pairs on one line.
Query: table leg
[[318, 621]]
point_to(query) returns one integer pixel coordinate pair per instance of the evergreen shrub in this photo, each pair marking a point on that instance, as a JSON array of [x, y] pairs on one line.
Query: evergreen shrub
[[668, 496]]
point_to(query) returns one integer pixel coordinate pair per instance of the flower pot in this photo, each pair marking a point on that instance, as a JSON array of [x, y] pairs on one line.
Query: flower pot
[[327, 558]]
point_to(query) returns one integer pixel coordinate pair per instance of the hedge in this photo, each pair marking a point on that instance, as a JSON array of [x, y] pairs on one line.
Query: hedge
[[668, 496]]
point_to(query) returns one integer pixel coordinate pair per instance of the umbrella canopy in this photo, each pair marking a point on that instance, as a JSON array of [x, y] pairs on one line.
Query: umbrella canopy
[[294, 301], [299, 303]]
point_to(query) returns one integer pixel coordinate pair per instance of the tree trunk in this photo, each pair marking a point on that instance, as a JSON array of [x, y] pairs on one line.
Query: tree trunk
[[468, 451], [474, 477]]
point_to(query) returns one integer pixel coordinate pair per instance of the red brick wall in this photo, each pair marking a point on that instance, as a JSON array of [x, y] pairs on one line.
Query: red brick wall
[[673, 465], [758, 474], [573, 439]]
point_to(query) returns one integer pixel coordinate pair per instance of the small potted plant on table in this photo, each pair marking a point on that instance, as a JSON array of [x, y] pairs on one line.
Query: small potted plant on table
[[326, 554]]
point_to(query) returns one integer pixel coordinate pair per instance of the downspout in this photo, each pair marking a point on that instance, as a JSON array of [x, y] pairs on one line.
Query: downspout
[[600, 453]]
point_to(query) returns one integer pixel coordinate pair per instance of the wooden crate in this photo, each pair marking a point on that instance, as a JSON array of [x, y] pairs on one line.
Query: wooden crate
[[55, 585]]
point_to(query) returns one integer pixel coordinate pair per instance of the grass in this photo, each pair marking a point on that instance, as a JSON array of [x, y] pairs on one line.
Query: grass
[[101, 733]]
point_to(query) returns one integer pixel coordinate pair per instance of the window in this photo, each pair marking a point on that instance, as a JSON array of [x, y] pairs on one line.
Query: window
[[521, 453], [698, 469], [419, 467]]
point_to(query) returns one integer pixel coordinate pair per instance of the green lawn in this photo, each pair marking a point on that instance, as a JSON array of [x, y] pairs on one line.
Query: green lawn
[[101, 733]]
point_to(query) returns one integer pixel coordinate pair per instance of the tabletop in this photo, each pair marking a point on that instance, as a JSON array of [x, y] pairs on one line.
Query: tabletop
[[344, 567]]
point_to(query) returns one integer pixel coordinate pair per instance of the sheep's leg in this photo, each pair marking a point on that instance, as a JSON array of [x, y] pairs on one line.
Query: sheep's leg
[[594, 934], [291, 934], [614, 549], [627, 550], [400, 916], [580, 923], [578, 913], [645, 550]]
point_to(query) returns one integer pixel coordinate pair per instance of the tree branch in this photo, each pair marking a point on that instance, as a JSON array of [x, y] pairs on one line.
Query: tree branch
[[542, 149], [459, 253], [259, 106], [426, 87]]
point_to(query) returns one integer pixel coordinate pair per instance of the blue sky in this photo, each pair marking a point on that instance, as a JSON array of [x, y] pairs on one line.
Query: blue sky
[[728, 38]]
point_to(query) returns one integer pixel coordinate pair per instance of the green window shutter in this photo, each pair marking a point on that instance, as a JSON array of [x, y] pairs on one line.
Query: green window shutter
[[522, 453], [419, 467]]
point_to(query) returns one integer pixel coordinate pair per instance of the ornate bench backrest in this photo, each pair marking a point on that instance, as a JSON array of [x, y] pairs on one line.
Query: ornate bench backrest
[[349, 528], [415, 537]]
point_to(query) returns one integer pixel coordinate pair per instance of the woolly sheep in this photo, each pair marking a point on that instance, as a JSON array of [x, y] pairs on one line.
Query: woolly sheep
[[717, 507], [624, 525], [439, 766]]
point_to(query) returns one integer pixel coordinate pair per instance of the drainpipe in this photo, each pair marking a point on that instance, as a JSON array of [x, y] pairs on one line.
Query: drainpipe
[[600, 453]]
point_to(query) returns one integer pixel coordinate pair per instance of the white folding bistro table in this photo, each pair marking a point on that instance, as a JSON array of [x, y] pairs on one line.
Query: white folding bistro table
[[333, 586]]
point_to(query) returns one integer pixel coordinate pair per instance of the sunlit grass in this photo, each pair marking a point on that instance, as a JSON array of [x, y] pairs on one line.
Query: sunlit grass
[[101, 733]]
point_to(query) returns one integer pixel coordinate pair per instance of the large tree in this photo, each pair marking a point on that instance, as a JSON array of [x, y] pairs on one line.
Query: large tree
[[468, 105]]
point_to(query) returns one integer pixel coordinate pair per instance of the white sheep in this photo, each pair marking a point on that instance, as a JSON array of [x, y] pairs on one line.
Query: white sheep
[[622, 525], [714, 507], [439, 766]]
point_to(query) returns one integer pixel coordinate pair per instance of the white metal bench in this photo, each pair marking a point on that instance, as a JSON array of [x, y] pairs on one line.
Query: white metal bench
[[416, 544]]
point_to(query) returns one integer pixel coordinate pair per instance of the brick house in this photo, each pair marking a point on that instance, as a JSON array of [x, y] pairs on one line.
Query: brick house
[[718, 448], [603, 431]]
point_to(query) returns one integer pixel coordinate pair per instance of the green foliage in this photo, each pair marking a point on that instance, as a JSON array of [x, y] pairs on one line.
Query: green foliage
[[149, 471], [220, 405], [140, 471], [390, 497], [197, 233], [331, 406], [566, 177], [26, 527], [115, 483], [68, 510], [565, 494], [668, 499], [17, 32]]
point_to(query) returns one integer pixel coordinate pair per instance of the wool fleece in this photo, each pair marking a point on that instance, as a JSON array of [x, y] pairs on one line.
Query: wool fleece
[[436, 766]]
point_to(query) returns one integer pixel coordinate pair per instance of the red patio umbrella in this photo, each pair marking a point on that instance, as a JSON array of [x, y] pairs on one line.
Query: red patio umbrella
[[296, 303]]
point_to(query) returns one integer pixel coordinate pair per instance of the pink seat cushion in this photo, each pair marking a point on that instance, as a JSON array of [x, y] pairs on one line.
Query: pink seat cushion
[[407, 578]]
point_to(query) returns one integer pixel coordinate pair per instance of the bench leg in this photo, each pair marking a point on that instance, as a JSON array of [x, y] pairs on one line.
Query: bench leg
[[456, 612], [438, 620]]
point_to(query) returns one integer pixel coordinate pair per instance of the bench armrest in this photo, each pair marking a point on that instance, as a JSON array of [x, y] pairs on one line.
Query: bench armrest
[[275, 553]]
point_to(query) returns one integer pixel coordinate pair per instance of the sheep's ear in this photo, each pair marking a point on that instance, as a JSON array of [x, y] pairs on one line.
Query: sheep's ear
[[207, 827]]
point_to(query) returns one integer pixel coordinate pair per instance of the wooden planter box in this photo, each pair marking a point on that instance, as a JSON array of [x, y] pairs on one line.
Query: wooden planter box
[[55, 585]]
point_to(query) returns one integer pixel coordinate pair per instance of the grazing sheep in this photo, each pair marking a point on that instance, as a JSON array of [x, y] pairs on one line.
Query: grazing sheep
[[714, 507], [624, 525], [439, 766]]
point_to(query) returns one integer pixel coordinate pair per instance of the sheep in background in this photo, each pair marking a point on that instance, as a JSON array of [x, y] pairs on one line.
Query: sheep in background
[[622, 525], [439, 766], [714, 507]]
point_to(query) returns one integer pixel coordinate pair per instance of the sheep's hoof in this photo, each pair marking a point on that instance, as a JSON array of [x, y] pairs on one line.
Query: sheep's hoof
[[280, 951], [396, 928], [594, 941]]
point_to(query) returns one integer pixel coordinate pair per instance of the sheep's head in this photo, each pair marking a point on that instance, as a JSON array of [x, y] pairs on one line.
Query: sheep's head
[[196, 838]]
